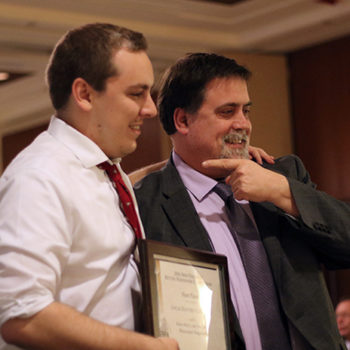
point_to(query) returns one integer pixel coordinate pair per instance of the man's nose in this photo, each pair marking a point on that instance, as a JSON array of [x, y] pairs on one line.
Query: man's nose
[[149, 109], [240, 121]]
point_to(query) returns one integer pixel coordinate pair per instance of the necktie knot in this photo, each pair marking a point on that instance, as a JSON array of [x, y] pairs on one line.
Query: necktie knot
[[109, 168], [223, 190]]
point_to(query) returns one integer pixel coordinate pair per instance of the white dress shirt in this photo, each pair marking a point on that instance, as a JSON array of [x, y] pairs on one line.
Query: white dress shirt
[[63, 236]]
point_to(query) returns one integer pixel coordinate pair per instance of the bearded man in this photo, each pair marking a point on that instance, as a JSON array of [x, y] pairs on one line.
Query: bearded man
[[270, 222]]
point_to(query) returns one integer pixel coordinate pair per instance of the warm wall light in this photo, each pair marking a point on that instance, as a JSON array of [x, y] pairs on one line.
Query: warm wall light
[[4, 76], [228, 2], [332, 2]]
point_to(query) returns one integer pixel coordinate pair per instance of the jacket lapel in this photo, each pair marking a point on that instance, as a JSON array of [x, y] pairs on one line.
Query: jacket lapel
[[180, 210], [178, 206]]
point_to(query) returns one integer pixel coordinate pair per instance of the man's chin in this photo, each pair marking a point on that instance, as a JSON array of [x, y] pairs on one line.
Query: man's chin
[[216, 173], [237, 153], [126, 150], [344, 333]]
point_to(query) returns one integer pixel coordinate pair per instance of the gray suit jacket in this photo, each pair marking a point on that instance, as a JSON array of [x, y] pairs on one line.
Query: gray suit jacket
[[296, 248]]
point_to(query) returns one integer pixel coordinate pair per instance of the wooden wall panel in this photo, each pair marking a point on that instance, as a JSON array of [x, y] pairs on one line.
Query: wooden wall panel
[[320, 95], [320, 90]]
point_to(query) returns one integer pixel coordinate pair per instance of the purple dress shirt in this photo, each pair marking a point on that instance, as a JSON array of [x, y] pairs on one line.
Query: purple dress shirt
[[211, 210]]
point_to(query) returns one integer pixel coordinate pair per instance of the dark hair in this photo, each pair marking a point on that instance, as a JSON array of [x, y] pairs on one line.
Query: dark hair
[[86, 52], [183, 84]]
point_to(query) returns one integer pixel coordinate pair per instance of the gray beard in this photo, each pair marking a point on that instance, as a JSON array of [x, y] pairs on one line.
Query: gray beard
[[235, 153]]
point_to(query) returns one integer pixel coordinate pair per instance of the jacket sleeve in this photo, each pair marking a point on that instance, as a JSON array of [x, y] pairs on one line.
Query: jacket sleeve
[[324, 221]]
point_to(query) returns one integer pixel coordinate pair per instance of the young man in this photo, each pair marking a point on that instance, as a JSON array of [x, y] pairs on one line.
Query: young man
[[68, 275], [342, 313], [272, 224]]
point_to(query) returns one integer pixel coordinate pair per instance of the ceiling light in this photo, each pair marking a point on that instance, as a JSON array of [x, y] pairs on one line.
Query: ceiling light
[[4, 76]]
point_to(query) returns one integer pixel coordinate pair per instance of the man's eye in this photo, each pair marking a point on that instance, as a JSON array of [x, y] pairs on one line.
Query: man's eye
[[137, 94], [227, 112], [246, 111]]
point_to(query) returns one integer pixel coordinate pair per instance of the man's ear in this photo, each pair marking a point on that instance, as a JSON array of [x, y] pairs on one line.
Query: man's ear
[[181, 120], [81, 92]]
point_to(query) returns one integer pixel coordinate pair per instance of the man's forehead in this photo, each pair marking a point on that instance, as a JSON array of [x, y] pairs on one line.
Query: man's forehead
[[344, 305], [226, 87], [124, 57], [133, 66], [219, 82]]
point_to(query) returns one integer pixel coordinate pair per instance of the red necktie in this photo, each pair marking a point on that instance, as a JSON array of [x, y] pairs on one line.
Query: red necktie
[[126, 200]]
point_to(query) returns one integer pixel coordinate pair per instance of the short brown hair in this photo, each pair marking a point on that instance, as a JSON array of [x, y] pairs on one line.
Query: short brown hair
[[86, 52]]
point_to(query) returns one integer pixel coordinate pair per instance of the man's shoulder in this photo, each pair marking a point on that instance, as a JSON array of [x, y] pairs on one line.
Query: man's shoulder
[[289, 165], [151, 180], [158, 183], [35, 155], [43, 158], [148, 191]]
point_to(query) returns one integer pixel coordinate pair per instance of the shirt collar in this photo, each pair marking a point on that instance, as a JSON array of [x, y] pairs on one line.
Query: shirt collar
[[80, 145], [195, 182]]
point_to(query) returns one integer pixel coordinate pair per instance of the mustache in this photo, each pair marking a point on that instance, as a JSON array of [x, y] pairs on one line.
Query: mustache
[[236, 137]]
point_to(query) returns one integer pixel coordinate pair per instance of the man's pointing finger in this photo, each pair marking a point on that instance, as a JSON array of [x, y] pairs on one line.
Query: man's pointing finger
[[228, 164]]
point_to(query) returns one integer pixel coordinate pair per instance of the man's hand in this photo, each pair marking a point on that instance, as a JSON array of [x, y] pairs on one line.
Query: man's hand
[[254, 153], [259, 155], [139, 174], [168, 344], [252, 182]]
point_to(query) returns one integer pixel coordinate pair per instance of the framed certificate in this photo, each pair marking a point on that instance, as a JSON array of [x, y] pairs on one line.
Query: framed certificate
[[185, 296]]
